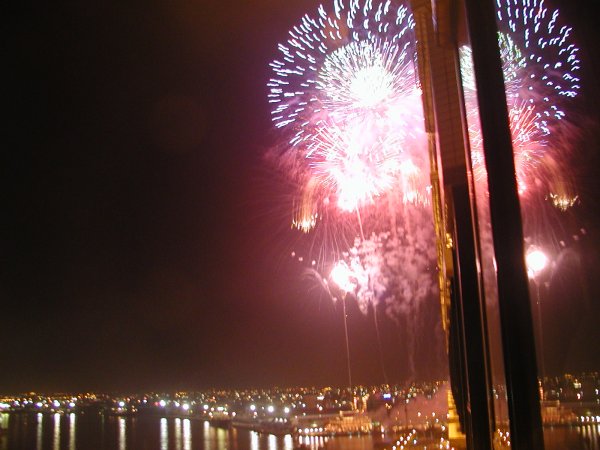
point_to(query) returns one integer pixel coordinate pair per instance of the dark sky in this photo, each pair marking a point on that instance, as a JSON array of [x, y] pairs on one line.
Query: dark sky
[[144, 247]]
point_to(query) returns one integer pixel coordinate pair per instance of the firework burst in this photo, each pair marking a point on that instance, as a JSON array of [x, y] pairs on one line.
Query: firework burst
[[346, 99], [344, 94]]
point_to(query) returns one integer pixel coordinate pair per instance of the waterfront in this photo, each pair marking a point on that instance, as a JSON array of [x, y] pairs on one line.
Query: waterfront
[[96, 431], [103, 432]]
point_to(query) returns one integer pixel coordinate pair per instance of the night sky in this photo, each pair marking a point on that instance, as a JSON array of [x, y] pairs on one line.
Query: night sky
[[144, 243]]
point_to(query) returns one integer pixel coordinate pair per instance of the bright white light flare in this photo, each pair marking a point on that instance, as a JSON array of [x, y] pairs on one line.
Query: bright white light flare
[[343, 277], [536, 261]]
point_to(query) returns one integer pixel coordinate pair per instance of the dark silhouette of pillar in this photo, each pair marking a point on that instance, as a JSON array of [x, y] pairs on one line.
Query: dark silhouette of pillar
[[513, 289]]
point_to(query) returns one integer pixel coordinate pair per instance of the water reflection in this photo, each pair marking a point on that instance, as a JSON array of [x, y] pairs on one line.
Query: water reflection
[[260, 441], [272, 442], [591, 436], [214, 438], [122, 434], [583, 437], [40, 429], [177, 434], [222, 438], [313, 442], [71, 431], [56, 438], [3, 430], [187, 434], [72, 418], [164, 434], [254, 442], [206, 428], [288, 442]]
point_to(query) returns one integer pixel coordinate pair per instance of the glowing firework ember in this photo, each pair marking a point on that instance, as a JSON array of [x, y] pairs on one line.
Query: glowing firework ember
[[539, 66], [345, 96]]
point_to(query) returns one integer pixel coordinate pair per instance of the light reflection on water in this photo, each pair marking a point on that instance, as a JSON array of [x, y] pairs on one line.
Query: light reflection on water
[[3, 430], [40, 428], [313, 442], [585, 437], [272, 442], [84, 431], [591, 434], [122, 434], [164, 434], [213, 437], [254, 445], [56, 439], [187, 434], [178, 434], [72, 418]]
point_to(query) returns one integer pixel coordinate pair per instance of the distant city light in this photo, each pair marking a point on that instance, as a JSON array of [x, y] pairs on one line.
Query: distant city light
[[280, 408]]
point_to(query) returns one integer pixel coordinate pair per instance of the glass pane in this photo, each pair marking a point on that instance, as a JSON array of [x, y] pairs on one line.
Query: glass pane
[[554, 147], [543, 77], [478, 176]]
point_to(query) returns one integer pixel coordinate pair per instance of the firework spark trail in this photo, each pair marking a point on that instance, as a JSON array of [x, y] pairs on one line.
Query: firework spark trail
[[395, 272], [391, 272]]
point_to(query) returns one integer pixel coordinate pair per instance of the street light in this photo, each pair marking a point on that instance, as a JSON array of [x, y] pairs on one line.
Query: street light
[[342, 276], [536, 261]]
